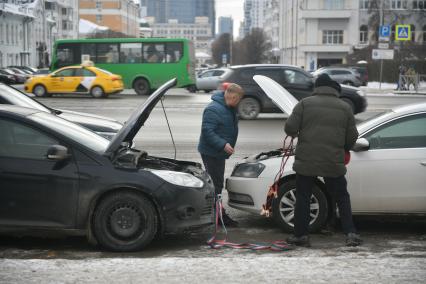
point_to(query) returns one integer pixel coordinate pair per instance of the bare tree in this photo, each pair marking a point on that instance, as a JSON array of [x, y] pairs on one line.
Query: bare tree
[[256, 45], [220, 47]]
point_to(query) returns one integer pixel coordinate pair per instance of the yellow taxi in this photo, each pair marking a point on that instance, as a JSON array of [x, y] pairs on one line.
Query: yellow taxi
[[76, 80]]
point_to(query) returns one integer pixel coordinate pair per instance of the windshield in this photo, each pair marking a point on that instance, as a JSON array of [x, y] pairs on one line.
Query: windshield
[[15, 97], [73, 131], [103, 71], [372, 120]]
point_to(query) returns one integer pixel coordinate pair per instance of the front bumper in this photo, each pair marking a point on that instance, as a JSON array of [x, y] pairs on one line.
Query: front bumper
[[241, 190], [183, 208]]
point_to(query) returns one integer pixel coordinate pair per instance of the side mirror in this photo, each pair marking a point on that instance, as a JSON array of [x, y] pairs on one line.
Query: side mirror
[[361, 144], [57, 153]]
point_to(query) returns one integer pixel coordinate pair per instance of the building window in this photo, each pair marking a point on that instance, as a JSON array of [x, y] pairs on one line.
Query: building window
[[333, 4], [419, 5], [399, 4], [363, 34], [364, 4], [332, 37], [98, 18], [98, 5], [64, 11]]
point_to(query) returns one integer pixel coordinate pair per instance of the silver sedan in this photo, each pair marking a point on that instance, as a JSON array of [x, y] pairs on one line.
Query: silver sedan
[[209, 79]]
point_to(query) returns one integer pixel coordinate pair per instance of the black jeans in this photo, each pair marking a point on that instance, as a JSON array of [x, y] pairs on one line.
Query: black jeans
[[337, 187], [216, 169]]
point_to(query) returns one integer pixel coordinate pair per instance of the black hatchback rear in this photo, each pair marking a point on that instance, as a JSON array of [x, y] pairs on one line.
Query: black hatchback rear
[[296, 80]]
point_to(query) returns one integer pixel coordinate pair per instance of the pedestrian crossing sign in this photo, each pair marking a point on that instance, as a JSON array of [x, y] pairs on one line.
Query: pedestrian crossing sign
[[403, 32]]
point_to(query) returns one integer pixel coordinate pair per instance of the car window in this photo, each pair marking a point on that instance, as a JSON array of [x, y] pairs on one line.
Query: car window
[[83, 72], [340, 72], [21, 141], [207, 74], [65, 73], [273, 73], [218, 72], [406, 132], [295, 77], [247, 74]]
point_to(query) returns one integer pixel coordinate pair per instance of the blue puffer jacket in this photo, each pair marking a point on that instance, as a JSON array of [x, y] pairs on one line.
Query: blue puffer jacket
[[220, 126]]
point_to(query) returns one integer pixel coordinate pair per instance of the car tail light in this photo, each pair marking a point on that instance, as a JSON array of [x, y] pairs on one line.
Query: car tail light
[[115, 78], [225, 86]]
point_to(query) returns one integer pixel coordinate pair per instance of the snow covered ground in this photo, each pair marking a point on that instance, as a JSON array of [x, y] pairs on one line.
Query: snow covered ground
[[400, 261]]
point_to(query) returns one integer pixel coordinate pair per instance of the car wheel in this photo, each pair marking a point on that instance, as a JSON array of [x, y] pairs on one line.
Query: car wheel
[[97, 92], [125, 221], [206, 91], [141, 87], [349, 83], [284, 207], [40, 91], [192, 89], [248, 108], [350, 103]]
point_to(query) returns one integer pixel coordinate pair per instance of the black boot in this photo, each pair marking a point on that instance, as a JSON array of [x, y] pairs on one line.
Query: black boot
[[302, 241], [353, 240]]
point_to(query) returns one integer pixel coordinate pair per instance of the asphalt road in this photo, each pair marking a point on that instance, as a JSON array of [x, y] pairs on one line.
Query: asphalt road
[[402, 240]]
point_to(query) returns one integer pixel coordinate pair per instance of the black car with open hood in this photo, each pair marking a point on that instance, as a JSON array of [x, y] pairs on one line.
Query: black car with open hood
[[57, 175]]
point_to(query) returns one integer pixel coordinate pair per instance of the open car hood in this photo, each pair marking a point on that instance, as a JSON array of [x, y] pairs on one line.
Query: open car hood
[[138, 118], [277, 93]]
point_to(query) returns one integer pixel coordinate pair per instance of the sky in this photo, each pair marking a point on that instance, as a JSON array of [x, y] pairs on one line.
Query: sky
[[233, 8]]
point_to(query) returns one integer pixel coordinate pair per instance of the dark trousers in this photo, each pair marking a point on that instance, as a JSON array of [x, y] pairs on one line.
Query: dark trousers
[[216, 169], [337, 187]]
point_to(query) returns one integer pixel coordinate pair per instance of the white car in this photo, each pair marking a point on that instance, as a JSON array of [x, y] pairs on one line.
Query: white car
[[386, 174], [209, 79]]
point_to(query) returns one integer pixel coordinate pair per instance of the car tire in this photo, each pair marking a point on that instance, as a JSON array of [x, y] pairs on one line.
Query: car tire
[[192, 89], [125, 221], [283, 207], [248, 108], [206, 91], [40, 91], [350, 103], [97, 92], [141, 87]]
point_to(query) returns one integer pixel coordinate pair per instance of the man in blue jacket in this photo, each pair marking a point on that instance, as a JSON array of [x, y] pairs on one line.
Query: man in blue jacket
[[219, 132]]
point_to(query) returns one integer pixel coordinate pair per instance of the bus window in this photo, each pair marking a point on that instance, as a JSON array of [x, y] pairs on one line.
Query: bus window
[[67, 55], [89, 49], [153, 52], [107, 53], [131, 53], [174, 52]]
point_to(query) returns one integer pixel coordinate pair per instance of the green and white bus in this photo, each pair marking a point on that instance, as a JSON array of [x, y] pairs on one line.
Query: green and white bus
[[144, 63]]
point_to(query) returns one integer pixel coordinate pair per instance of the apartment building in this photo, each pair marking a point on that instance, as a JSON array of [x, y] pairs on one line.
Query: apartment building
[[118, 15]]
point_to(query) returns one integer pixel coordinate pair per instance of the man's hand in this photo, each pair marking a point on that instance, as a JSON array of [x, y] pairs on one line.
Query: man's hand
[[228, 149]]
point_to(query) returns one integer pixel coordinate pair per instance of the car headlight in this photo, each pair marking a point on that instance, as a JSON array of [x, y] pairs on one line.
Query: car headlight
[[248, 170], [178, 178], [361, 93]]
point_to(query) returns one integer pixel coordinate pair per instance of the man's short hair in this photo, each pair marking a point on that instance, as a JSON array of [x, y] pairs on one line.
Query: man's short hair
[[235, 89]]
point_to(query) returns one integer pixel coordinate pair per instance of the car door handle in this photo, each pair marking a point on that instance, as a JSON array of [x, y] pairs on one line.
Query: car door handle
[[423, 163]]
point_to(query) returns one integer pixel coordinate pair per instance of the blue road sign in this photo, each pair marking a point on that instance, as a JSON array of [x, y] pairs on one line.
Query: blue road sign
[[403, 32], [384, 31]]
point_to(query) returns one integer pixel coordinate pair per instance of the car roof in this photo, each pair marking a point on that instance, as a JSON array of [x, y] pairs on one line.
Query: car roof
[[263, 65], [23, 111]]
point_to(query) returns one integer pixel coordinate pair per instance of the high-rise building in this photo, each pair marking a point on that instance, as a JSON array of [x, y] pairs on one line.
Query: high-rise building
[[253, 14], [226, 25], [118, 15], [184, 11]]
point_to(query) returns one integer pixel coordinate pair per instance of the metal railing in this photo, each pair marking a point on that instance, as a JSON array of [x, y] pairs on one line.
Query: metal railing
[[411, 83]]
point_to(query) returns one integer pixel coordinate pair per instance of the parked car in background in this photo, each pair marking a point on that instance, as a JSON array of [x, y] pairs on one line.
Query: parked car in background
[[346, 76], [6, 78], [58, 176], [104, 126], [76, 80], [18, 76], [209, 80], [31, 70], [296, 80], [386, 173], [363, 72]]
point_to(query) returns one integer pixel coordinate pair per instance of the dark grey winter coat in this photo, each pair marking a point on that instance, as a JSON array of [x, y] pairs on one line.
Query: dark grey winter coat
[[325, 127]]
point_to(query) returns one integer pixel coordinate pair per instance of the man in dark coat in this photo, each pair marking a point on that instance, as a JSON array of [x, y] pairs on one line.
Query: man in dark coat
[[219, 132], [325, 127]]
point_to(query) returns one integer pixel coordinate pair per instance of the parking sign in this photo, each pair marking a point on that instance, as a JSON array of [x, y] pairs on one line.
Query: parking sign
[[402, 32], [384, 33]]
